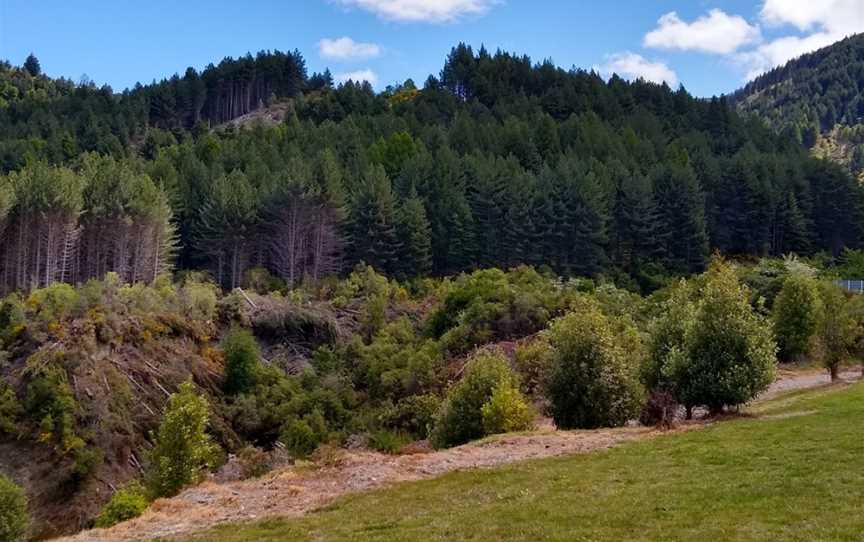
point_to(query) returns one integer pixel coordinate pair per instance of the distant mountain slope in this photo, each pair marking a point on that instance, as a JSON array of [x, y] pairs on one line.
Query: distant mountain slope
[[818, 97]]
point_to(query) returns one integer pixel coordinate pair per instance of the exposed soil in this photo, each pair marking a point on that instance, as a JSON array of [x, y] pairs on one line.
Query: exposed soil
[[293, 492]]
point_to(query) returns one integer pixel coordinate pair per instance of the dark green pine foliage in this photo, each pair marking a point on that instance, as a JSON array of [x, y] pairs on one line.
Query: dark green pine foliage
[[837, 211], [375, 240], [583, 234], [634, 232], [486, 184], [792, 232], [415, 238], [680, 218], [31, 64]]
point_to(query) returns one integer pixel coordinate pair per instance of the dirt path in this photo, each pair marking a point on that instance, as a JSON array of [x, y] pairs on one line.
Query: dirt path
[[292, 492]]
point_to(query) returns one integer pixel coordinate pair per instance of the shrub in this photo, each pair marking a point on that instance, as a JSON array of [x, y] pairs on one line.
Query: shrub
[[51, 401], [414, 414], [395, 364], [491, 304], [198, 300], [594, 380], [837, 332], [125, 504], [10, 410], [668, 338], [388, 441], [301, 436], [53, 303], [254, 462], [533, 362], [506, 411], [242, 360], [14, 518], [12, 319], [182, 446], [797, 315], [728, 355], [461, 416]]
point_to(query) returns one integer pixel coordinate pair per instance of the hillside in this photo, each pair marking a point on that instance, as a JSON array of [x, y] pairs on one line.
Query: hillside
[[817, 98], [217, 275], [498, 161]]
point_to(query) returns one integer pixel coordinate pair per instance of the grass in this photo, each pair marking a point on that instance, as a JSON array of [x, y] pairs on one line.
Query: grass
[[792, 474]]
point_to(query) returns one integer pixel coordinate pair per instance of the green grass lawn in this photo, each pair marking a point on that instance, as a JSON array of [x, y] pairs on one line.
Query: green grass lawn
[[794, 474]]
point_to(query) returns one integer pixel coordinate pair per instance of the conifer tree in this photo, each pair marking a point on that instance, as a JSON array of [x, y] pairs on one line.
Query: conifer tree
[[680, 218], [415, 238], [375, 240]]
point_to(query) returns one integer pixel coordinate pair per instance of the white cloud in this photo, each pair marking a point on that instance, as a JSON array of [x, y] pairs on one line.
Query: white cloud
[[430, 11], [358, 76], [347, 49], [835, 16], [827, 21], [633, 66], [716, 32], [781, 51]]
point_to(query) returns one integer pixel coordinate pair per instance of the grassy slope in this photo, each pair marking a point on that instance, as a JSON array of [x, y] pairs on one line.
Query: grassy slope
[[793, 474]]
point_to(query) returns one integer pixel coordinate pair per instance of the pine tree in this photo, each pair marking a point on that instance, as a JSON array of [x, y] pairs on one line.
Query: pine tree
[[31, 64], [634, 237], [226, 227], [415, 238], [374, 237], [680, 218]]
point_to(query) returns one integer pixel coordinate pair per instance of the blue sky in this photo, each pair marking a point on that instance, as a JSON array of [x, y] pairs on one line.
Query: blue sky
[[711, 47]]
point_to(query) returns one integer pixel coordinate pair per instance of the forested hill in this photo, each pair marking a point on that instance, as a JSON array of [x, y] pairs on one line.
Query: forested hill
[[818, 98], [497, 161], [57, 119]]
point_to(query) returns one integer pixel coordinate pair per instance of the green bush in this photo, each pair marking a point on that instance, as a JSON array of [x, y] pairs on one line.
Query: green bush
[[414, 414], [125, 504], [182, 449], [198, 300], [594, 380], [14, 518], [491, 304], [461, 416], [388, 441], [838, 328], [53, 303], [51, 402], [725, 354], [506, 411], [12, 319], [302, 436], [797, 315], [533, 362], [242, 361], [10, 410], [396, 364]]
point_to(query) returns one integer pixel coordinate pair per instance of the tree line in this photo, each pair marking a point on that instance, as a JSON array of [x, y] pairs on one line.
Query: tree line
[[496, 162]]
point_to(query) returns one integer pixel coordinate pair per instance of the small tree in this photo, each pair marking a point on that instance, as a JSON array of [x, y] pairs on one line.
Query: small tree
[[182, 446], [242, 360], [797, 316], [461, 416], [729, 354], [594, 380], [31, 64], [14, 519], [125, 504], [837, 331], [506, 411]]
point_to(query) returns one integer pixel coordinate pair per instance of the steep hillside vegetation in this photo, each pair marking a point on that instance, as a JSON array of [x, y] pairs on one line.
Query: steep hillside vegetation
[[817, 98]]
